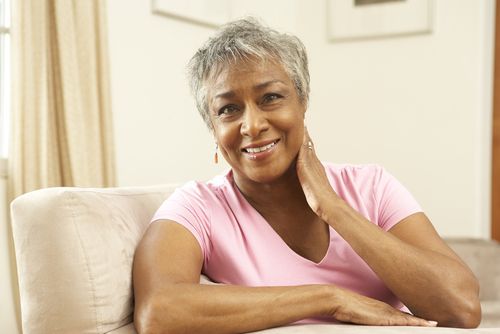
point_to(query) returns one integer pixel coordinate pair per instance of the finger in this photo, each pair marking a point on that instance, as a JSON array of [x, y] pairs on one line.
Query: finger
[[309, 145], [421, 323], [410, 320], [368, 311], [305, 138], [307, 142]]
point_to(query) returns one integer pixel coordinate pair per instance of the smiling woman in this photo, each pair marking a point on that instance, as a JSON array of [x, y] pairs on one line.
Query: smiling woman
[[292, 238]]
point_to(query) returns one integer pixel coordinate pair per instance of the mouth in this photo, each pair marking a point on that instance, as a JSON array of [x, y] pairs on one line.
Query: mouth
[[260, 149]]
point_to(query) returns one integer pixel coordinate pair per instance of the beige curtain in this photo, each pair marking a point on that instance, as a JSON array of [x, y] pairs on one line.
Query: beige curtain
[[61, 113], [62, 131]]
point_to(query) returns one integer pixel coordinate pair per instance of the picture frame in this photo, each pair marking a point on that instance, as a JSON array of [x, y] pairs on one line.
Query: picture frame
[[211, 13], [365, 19]]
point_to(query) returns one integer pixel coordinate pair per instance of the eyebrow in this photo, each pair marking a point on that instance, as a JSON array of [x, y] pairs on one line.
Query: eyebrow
[[265, 84], [224, 95], [257, 88]]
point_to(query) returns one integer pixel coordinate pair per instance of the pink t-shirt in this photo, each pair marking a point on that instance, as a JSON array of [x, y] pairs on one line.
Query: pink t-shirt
[[241, 248]]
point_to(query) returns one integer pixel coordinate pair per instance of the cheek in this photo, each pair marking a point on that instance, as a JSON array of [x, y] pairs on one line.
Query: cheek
[[226, 136], [294, 126]]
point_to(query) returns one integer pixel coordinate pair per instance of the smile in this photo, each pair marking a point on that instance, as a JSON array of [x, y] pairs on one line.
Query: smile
[[259, 149]]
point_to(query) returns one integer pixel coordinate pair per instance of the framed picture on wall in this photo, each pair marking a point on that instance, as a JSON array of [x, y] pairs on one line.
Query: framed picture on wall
[[362, 19], [211, 13]]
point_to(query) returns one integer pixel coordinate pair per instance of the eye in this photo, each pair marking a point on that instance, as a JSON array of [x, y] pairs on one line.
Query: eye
[[226, 110], [271, 98]]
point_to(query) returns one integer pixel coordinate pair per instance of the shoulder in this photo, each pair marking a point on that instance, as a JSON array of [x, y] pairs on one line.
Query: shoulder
[[194, 199], [373, 192], [370, 181], [365, 178], [352, 172], [194, 191], [351, 167]]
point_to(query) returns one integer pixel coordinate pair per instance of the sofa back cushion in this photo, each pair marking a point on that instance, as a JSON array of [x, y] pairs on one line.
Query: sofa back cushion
[[75, 250], [483, 258]]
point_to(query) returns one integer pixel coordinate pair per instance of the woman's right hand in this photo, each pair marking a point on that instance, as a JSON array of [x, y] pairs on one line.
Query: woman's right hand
[[351, 307]]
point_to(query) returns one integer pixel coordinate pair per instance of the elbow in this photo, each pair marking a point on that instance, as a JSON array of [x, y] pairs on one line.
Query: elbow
[[463, 307], [153, 318], [471, 315], [466, 314], [145, 320]]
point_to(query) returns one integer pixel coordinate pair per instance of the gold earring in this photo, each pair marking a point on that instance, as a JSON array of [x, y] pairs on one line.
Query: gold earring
[[216, 157]]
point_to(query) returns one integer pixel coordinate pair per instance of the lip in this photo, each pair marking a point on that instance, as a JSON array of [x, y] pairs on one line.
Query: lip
[[260, 156], [264, 143]]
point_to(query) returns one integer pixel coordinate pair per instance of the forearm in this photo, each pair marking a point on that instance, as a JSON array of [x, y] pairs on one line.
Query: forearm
[[432, 285], [195, 308]]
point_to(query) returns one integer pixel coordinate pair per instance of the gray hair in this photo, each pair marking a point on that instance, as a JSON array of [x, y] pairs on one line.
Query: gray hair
[[242, 40]]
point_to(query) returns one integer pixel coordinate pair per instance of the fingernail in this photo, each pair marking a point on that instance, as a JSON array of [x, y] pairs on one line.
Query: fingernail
[[432, 322], [305, 122]]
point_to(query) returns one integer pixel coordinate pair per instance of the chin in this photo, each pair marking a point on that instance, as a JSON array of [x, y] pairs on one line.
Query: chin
[[273, 174]]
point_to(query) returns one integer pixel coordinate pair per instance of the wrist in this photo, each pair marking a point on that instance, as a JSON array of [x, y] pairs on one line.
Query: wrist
[[331, 300], [332, 210]]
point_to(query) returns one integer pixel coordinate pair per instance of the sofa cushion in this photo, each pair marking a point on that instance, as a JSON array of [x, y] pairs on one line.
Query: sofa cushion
[[483, 258], [491, 314]]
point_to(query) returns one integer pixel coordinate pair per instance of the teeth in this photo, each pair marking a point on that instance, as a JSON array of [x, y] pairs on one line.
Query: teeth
[[259, 149]]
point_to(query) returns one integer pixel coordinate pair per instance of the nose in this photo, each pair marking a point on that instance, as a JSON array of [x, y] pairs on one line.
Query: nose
[[254, 122]]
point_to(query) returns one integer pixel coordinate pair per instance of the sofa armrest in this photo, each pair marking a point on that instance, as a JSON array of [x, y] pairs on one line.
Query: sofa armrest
[[75, 250]]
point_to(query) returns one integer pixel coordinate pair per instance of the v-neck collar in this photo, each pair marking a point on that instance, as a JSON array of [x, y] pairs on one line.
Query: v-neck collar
[[257, 218]]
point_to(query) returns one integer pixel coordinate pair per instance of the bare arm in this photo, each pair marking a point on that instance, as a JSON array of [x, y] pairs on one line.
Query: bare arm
[[411, 259], [169, 299], [429, 278]]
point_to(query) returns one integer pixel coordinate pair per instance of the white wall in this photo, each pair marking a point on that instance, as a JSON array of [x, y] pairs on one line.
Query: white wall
[[418, 105], [159, 136]]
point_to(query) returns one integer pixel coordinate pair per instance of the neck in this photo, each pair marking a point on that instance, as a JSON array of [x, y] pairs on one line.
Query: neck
[[283, 193]]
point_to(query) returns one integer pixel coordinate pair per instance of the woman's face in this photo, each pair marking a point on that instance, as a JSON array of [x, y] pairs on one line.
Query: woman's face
[[258, 119]]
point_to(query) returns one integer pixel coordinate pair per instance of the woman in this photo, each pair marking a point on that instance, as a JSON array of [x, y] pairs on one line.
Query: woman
[[292, 238]]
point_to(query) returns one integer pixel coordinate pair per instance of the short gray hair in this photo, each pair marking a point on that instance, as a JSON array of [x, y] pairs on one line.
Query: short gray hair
[[241, 40]]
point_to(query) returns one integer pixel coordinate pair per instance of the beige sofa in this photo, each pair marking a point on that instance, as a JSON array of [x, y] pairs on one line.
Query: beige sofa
[[75, 249]]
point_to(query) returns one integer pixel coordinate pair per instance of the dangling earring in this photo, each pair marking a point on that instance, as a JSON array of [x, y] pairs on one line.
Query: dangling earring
[[216, 157]]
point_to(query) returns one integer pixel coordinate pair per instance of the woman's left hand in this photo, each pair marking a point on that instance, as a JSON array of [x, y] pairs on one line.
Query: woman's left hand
[[410, 259], [312, 177]]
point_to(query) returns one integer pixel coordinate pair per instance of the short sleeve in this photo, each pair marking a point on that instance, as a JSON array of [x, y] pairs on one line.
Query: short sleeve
[[394, 201], [188, 207]]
